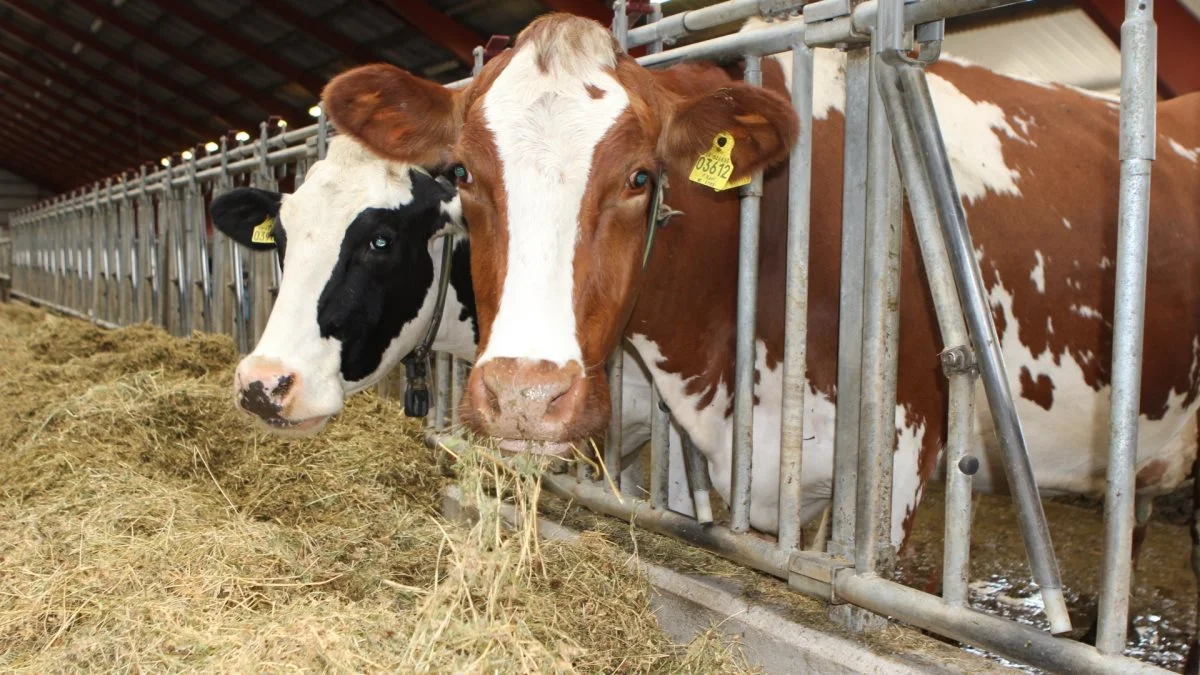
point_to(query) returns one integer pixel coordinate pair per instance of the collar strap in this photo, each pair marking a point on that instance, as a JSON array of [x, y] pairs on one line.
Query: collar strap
[[416, 364], [658, 215]]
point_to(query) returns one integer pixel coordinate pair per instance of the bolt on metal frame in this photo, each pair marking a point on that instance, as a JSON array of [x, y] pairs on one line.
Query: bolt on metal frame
[[140, 251]]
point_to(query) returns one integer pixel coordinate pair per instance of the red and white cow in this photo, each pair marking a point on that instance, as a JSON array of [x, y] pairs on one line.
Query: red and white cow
[[559, 140]]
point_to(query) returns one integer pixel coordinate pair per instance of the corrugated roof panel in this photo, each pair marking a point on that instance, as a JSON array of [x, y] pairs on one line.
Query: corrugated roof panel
[[1062, 47]]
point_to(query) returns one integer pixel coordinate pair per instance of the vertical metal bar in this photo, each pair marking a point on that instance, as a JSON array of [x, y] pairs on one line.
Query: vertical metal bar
[[612, 443], [94, 229], [200, 241], [1139, 39], [105, 235], [747, 301], [881, 323], [620, 23], [987, 347], [461, 369], [795, 321], [698, 480], [660, 449], [957, 360], [118, 209], [442, 389], [849, 378], [656, 15]]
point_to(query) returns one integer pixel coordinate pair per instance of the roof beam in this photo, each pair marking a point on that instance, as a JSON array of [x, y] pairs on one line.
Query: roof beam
[[52, 154], [1178, 47], [38, 129], [182, 136], [115, 55], [37, 107], [271, 105], [193, 125], [50, 96], [441, 29], [592, 9], [225, 33], [31, 163], [319, 30]]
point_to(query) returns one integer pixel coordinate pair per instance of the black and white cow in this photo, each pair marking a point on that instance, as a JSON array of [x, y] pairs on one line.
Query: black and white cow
[[360, 248]]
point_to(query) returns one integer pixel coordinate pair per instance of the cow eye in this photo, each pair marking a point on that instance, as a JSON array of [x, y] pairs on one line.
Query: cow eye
[[380, 243], [639, 179], [461, 175]]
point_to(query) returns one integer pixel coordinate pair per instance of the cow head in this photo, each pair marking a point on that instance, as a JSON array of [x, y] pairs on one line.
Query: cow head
[[359, 250], [556, 147]]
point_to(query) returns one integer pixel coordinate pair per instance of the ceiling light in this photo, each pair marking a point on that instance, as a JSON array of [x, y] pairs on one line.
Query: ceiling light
[[211, 146], [315, 111], [186, 154], [282, 124], [165, 161], [242, 136]]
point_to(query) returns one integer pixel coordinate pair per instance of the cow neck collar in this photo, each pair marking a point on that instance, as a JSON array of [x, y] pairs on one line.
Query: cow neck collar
[[657, 215], [416, 364]]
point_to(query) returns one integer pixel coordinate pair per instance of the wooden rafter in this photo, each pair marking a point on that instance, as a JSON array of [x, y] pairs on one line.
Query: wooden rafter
[[225, 33], [108, 127], [32, 165], [441, 29], [91, 41], [1178, 40], [194, 126], [38, 108], [21, 60], [319, 30], [271, 105], [37, 127]]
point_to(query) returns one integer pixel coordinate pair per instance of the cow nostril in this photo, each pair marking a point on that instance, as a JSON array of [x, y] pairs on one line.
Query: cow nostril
[[284, 385]]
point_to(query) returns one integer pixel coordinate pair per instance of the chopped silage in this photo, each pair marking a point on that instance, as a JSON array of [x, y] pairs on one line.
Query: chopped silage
[[145, 525]]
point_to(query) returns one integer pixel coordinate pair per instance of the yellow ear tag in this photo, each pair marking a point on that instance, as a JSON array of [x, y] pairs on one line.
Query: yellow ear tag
[[714, 167], [262, 232]]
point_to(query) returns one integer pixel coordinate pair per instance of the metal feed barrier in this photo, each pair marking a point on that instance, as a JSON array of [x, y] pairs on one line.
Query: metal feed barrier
[[139, 249]]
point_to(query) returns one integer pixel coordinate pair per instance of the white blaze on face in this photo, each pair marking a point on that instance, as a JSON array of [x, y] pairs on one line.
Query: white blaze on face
[[546, 127], [315, 219]]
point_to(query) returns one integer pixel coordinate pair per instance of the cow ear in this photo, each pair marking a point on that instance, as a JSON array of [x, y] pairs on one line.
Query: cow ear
[[761, 124], [394, 114], [247, 216]]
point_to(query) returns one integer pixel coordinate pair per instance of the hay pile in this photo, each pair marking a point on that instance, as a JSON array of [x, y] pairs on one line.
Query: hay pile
[[144, 525]]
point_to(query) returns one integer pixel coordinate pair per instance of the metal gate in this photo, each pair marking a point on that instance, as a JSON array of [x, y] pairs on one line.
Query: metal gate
[[140, 249]]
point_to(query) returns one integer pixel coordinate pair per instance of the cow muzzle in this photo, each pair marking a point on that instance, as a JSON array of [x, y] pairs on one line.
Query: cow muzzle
[[521, 399], [269, 391]]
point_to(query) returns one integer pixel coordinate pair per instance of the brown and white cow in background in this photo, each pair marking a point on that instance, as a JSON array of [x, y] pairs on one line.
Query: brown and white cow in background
[[559, 139]]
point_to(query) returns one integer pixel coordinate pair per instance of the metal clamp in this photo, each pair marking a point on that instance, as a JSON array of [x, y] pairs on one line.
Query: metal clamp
[[960, 359], [813, 573]]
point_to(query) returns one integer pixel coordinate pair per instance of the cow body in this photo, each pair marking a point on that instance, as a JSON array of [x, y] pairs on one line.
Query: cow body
[[1037, 169]]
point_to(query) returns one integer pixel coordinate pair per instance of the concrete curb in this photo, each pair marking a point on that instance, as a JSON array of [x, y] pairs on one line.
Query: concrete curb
[[688, 605]]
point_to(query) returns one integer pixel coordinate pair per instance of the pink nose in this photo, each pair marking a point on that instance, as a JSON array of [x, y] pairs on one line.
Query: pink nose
[[522, 399], [265, 388]]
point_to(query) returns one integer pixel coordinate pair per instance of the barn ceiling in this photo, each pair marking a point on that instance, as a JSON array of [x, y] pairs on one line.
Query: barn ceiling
[[91, 87]]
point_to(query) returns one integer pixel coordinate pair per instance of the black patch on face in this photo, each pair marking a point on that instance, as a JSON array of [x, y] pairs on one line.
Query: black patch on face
[[460, 281], [374, 292]]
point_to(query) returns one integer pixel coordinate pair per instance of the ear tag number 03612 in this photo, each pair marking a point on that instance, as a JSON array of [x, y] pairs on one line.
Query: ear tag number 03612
[[714, 167], [261, 234]]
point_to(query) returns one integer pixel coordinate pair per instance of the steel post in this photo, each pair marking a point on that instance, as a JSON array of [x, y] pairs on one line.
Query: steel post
[[850, 322], [795, 321], [881, 328], [987, 345], [1139, 39], [747, 305]]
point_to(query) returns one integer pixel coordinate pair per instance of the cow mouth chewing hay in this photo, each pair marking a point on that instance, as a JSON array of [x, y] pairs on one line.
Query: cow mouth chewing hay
[[551, 448]]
